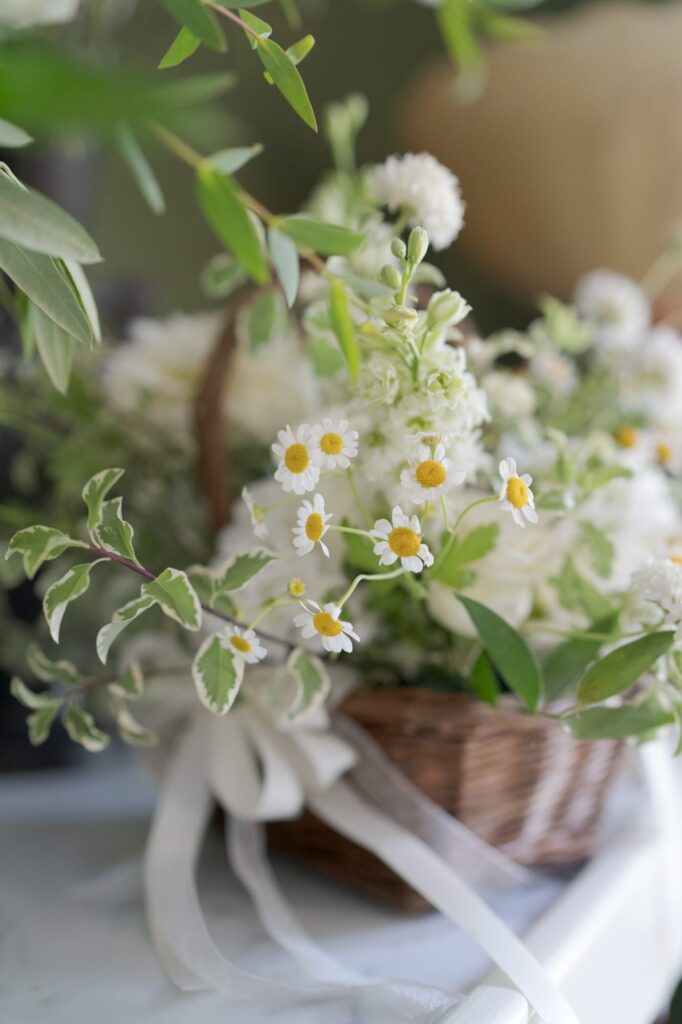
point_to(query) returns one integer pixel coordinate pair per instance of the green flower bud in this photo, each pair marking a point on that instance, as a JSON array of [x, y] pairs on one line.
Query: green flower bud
[[398, 248], [391, 276], [417, 245], [400, 316], [446, 307]]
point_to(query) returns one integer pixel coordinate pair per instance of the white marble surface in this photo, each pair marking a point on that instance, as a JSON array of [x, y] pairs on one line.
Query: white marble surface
[[70, 955]]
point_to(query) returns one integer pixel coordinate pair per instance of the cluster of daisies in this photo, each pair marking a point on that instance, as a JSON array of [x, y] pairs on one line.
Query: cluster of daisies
[[308, 453]]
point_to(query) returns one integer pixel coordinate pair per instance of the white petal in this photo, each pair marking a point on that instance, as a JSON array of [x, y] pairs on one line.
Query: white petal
[[530, 514], [517, 517], [388, 556]]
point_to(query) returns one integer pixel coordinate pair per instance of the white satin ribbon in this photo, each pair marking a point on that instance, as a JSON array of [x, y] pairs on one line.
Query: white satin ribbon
[[259, 771]]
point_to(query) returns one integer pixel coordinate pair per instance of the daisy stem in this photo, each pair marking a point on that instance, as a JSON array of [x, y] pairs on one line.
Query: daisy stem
[[352, 483], [351, 529], [445, 551], [268, 607], [446, 514], [368, 576]]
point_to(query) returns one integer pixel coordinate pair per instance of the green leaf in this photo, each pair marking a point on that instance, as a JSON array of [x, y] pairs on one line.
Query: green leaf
[[112, 532], [197, 90], [287, 79], [50, 671], [34, 222], [359, 552], [42, 280], [96, 490], [176, 597], [566, 665], [130, 730], [260, 27], [476, 545], [325, 239], [229, 161], [29, 698], [264, 317], [299, 51], [344, 328], [622, 667], [80, 285], [217, 674], [221, 276], [130, 685], [80, 725], [182, 47], [284, 255], [601, 549], [201, 22], [39, 544], [598, 477], [205, 583], [12, 137], [312, 682], [54, 345], [577, 593], [40, 722], [141, 170], [121, 618], [240, 569], [229, 219], [327, 360], [57, 598], [617, 723], [508, 652], [484, 681], [454, 21]]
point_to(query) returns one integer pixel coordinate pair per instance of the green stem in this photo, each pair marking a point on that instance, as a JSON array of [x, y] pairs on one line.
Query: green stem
[[352, 483], [446, 514], [353, 530], [368, 576], [453, 533]]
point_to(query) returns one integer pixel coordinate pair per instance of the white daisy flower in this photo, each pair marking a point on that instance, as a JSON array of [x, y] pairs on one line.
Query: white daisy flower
[[333, 445], [244, 643], [430, 475], [297, 470], [256, 514], [335, 634], [401, 539], [616, 306], [419, 184], [515, 494], [312, 526]]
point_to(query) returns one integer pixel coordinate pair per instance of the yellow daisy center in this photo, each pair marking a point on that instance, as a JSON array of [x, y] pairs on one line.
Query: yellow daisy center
[[296, 587], [326, 624], [314, 526], [517, 492], [240, 644], [676, 559], [404, 542], [430, 473], [664, 453], [626, 437], [296, 458], [331, 444]]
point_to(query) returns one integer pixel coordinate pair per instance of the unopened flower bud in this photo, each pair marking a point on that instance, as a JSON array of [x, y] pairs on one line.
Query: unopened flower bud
[[296, 587], [446, 307], [398, 248], [399, 316], [391, 276], [417, 245]]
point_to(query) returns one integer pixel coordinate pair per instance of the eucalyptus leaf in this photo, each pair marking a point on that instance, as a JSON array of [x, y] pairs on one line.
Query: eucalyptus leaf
[[222, 276], [343, 327], [84, 293], [284, 255], [201, 22], [67, 589], [287, 79], [326, 239], [182, 47], [13, 137], [141, 171], [326, 358], [622, 667], [54, 346], [217, 674], [228, 217], [229, 161], [34, 222]]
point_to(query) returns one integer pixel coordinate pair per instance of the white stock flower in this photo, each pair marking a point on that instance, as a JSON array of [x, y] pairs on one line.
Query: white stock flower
[[423, 187], [244, 643], [333, 444], [509, 394], [401, 538], [616, 306], [311, 526], [515, 493], [335, 634], [256, 514], [659, 580], [430, 475], [296, 471]]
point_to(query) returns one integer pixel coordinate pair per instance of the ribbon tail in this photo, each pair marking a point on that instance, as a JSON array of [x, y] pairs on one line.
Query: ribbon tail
[[426, 872]]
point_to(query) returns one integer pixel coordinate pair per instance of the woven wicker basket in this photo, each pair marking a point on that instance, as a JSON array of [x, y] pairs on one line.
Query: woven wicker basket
[[518, 780]]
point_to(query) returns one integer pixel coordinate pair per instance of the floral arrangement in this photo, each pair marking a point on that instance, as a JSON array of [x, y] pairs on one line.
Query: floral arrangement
[[482, 515]]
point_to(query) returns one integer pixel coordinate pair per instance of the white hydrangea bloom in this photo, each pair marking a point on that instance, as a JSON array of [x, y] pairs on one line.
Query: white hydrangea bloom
[[615, 305], [418, 183]]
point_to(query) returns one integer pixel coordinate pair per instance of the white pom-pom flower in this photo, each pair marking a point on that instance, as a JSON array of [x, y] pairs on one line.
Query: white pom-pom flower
[[660, 580], [430, 475], [335, 634], [256, 514], [615, 305], [429, 192], [297, 470], [401, 538], [333, 445], [245, 644], [311, 526], [515, 493]]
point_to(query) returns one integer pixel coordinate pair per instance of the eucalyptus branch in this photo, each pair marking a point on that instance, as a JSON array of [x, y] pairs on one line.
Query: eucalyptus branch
[[233, 17]]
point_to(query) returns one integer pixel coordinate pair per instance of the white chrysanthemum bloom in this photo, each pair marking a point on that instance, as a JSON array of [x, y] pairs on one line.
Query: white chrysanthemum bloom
[[333, 444], [21, 13], [615, 305], [336, 634], [244, 643], [430, 475], [311, 526], [401, 538], [420, 185], [297, 470], [515, 493], [660, 580], [256, 514], [509, 394]]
